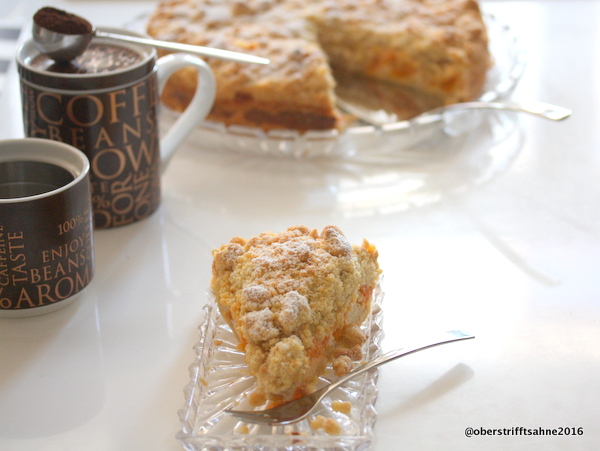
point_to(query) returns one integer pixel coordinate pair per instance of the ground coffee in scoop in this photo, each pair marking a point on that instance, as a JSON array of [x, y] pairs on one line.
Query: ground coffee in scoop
[[61, 21]]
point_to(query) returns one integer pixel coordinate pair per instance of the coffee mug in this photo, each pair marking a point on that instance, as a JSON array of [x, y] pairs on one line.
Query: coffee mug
[[105, 104], [46, 239]]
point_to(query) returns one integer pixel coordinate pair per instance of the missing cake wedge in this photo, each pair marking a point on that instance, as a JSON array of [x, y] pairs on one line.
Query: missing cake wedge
[[295, 300]]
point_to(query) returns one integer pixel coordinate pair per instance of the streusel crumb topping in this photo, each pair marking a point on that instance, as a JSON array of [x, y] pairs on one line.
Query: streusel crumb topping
[[296, 301]]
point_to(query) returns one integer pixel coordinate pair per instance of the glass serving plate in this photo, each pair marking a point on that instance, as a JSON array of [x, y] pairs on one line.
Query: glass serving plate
[[396, 137], [220, 380]]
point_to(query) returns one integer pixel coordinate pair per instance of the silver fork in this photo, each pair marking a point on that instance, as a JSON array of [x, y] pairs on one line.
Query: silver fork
[[297, 410]]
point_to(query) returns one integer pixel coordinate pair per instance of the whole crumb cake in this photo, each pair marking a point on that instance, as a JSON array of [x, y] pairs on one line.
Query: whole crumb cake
[[439, 47], [296, 301]]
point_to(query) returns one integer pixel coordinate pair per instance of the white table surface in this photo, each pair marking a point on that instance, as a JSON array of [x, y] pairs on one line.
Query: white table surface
[[515, 260]]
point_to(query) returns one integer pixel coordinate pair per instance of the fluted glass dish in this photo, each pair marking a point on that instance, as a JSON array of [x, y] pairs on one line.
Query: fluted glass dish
[[220, 380]]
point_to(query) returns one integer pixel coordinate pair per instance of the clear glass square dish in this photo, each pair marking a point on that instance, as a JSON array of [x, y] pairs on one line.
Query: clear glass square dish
[[220, 380]]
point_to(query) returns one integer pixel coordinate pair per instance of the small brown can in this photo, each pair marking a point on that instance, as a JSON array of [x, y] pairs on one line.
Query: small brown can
[[105, 104]]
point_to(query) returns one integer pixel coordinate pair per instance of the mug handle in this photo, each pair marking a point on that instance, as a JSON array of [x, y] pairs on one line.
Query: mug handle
[[198, 108]]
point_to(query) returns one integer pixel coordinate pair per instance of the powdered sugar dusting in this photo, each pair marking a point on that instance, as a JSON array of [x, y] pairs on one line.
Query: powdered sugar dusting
[[259, 325]]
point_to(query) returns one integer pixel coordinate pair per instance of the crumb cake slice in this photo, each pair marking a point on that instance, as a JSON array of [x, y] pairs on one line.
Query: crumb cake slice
[[296, 301], [438, 47]]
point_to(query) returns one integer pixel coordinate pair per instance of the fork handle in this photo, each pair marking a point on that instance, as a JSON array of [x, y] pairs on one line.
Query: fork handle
[[447, 337]]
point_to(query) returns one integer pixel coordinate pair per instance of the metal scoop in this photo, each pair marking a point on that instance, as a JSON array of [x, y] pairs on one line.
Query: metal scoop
[[63, 47]]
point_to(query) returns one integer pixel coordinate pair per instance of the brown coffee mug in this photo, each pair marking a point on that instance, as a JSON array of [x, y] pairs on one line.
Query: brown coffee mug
[[105, 104], [46, 240]]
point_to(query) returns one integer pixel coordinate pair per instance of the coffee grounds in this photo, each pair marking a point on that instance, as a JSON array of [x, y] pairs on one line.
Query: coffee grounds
[[96, 59], [61, 21]]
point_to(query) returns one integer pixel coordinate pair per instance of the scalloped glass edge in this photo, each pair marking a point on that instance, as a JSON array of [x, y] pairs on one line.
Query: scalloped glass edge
[[503, 77], [219, 380]]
